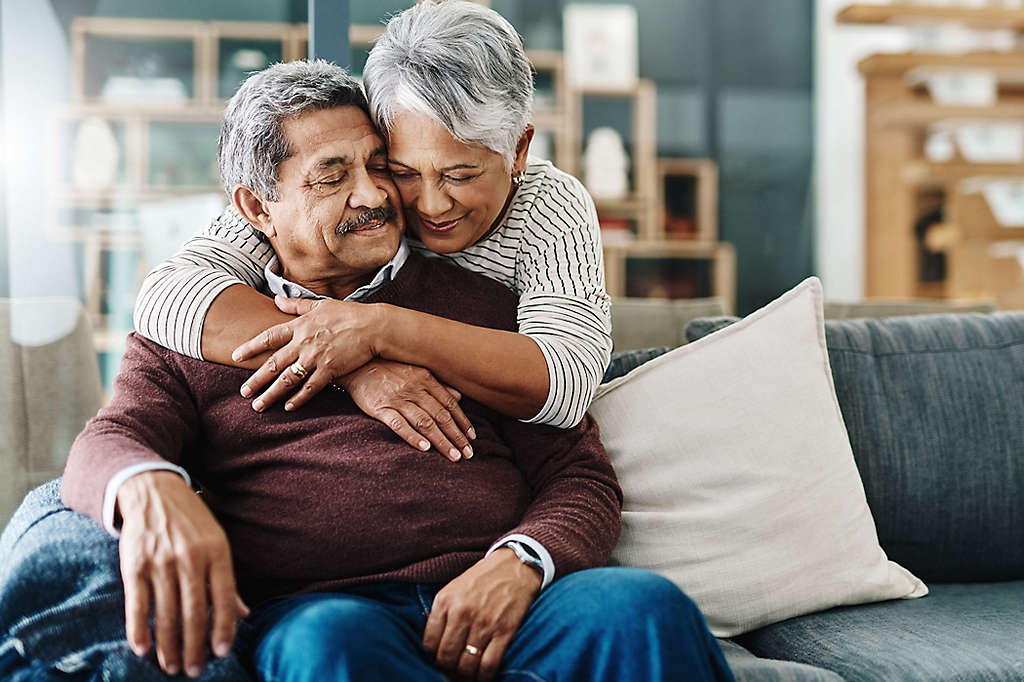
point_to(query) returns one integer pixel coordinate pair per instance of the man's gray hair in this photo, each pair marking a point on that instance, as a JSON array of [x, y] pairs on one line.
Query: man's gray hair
[[252, 142], [459, 63]]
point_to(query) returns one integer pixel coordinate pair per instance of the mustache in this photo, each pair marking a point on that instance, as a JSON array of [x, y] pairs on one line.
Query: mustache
[[371, 215]]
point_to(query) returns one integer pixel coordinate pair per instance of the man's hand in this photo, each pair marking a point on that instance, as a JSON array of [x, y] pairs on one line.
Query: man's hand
[[328, 340], [413, 404], [482, 608], [175, 555]]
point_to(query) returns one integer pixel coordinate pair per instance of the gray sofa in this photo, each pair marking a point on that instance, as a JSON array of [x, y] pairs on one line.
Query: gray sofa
[[933, 409], [49, 387], [933, 406]]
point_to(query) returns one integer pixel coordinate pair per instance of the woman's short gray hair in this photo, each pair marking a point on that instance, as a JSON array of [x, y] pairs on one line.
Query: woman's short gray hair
[[252, 142], [460, 63]]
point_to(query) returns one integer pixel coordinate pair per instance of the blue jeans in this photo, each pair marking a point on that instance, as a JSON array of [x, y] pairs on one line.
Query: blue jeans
[[615, 624], [62, 602], [62, 617]]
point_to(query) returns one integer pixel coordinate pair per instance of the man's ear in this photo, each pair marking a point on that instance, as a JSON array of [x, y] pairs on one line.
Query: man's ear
[[522, 150], [253, 208]]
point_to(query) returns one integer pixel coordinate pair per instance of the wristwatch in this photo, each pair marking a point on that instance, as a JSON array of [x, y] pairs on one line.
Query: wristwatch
[[526, 555]]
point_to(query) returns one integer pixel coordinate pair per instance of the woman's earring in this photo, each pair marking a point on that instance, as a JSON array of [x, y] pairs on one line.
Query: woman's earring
[[517, 180]]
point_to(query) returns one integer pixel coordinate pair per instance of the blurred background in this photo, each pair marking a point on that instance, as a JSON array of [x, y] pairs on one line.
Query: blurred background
[[733, 147]]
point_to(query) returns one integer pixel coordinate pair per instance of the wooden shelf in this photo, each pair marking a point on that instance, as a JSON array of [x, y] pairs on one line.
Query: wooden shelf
[[560, 120], [930, 174], [622, 207], [917, 114], [364, 35], [908, 14], [897, 63], [721, 255]]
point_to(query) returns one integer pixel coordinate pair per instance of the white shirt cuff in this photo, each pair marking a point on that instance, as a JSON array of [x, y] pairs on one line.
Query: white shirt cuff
[[114, 486], [538, 549]]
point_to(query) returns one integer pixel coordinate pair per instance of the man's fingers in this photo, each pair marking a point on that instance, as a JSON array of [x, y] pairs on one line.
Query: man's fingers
[[394, 420], [136, 610], [227, 608], [316, 382], [167, 619], [490, 661], [434, 629], [269, 339], [469, 663], [453, 642], [194, 606]]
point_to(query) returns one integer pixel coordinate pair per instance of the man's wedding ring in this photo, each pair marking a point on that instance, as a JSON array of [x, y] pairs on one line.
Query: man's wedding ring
[[299, 371], [472, 650]]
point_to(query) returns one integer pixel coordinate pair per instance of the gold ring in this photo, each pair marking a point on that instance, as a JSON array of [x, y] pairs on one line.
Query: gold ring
[[472, 650], [298, 370]]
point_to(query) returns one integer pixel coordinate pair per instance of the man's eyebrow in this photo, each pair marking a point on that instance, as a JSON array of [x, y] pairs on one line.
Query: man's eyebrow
[[330, 162]]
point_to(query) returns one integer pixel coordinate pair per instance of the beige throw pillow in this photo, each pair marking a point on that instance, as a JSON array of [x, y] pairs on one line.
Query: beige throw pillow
[[739, 481]]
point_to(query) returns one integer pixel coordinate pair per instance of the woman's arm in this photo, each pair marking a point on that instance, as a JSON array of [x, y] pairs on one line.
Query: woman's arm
[[501, 369], [177, 297], [547, 373]]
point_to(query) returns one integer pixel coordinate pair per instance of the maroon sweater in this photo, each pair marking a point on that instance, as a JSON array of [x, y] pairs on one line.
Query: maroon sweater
[[327, 496]]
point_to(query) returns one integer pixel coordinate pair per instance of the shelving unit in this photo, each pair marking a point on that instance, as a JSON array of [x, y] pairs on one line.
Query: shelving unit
[[904, 13], [104, 218], [902, 185]]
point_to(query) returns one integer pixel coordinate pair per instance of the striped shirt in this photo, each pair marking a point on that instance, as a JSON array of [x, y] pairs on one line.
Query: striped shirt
[[547, 249]]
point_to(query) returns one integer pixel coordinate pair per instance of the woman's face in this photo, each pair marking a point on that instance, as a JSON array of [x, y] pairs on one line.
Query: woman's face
[[452, 192]]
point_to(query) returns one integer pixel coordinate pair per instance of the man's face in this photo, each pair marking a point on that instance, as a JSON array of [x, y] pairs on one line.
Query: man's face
[[336, 215]]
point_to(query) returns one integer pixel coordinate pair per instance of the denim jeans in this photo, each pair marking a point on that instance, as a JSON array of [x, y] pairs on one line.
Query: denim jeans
[[62, 601], [615, 624], [62, 618]]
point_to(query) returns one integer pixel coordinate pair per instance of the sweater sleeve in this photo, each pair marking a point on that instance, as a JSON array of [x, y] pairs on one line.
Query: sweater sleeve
[[151, 418], [576, 512], [176, 295], [563, 304]]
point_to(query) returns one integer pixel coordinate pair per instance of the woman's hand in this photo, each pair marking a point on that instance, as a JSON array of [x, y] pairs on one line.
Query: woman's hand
[[328, 340], [413, 404]]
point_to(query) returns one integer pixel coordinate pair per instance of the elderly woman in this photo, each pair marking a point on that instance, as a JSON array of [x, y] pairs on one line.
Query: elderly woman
[[450, 88]]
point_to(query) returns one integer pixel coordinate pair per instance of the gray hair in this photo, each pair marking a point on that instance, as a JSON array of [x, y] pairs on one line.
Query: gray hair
[[459, 63], [252, 142]]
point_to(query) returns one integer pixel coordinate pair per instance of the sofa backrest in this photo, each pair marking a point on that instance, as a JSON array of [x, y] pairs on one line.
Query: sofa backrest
[[650, 322], [49, 387], [933, 407]]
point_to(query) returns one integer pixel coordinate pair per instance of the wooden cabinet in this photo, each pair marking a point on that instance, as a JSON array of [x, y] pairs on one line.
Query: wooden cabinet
[[917, 210], [156, 90]]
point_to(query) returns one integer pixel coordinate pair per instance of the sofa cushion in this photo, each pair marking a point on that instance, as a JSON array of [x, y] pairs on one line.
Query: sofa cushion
[[49, 388], [933, 409], [967, 633], [746, 667], [650, 322], [737, 475]]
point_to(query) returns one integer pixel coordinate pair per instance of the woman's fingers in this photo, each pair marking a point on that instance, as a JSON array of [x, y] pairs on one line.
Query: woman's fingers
[[295, 306], [314, 383], [269, 339], [283, 371], [442, 417], [394, 420], [423, 423], [449, 399]]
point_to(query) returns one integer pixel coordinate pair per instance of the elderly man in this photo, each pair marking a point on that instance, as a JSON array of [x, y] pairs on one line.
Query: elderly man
[[362, 557]]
